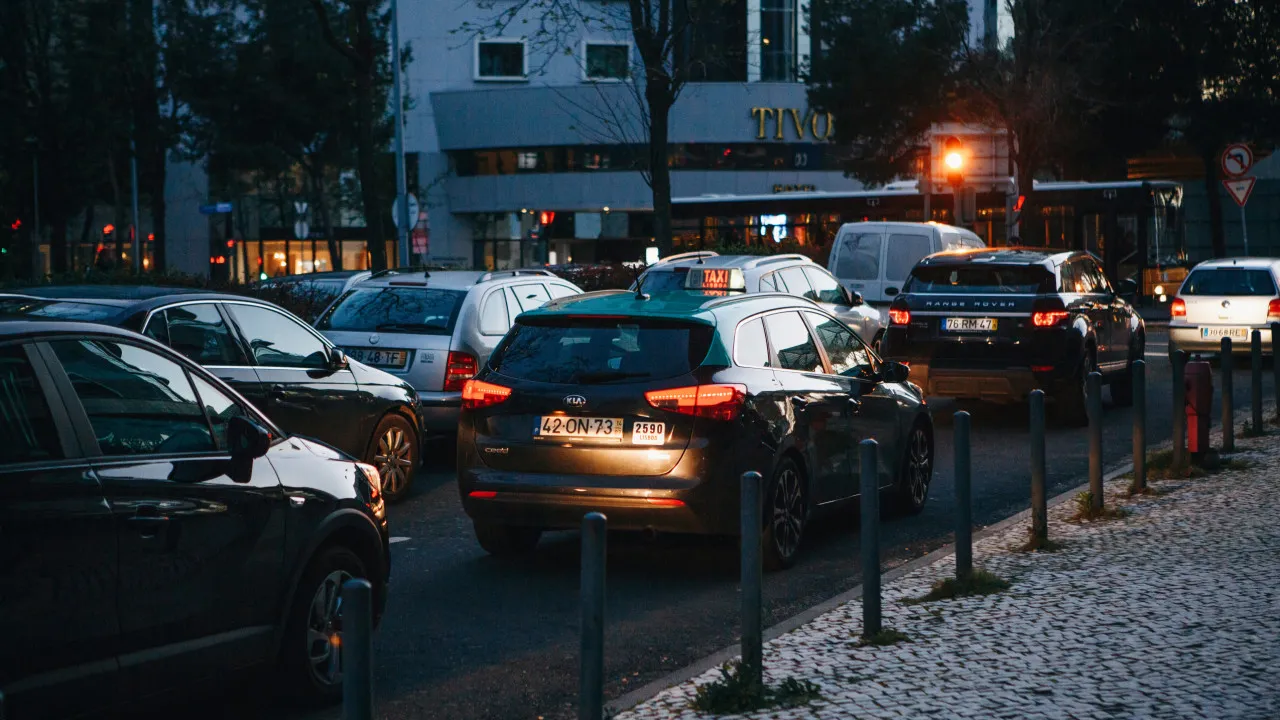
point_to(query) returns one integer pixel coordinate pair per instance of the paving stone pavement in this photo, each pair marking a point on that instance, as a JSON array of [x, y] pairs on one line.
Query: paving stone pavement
[[1171, 612]]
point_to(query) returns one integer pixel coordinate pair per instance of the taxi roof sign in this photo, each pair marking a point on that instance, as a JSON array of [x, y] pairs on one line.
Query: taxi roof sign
[[719, 280]]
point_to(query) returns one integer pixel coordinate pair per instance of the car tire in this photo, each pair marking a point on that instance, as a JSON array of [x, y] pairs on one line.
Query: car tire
[[1122, 384], [1072, 408], [916, 472], [311, 663], [785, 516], [506, 540], [394, 450]]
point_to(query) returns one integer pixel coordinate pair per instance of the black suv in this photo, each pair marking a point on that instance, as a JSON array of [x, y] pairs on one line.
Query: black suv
[[156, 532], [287, 369], [649, 409], [995, 324]]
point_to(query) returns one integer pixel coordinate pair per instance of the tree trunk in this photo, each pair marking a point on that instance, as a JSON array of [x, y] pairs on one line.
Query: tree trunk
[[660, 102], [326, 221], [366, 162], [1213, 193]]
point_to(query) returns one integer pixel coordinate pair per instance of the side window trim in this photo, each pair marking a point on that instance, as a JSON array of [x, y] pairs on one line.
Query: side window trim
[[822, 353], [69, 438], [77, 418], [768, 343]]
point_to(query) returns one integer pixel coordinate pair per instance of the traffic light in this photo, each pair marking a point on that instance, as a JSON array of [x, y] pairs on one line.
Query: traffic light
[[953, 160]]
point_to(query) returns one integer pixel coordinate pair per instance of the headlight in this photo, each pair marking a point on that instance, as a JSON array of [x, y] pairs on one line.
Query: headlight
[[1159, 290], [373, 476]]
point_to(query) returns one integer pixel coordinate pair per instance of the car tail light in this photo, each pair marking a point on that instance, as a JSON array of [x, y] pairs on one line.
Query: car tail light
[[1048, 318], [899, 317], [717, 402], [1041, 368], [664, 502], [1178, 308], [478, 394], [458, 369], [1273, 309], [483, 494]]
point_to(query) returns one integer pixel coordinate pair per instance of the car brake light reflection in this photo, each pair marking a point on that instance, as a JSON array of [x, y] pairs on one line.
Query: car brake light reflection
[[899, 317], [483, 494], [1048, 319], [478, 394]]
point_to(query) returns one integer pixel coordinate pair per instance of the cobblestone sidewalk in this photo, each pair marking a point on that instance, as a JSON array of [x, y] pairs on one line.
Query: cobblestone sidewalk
[[1171, 612]]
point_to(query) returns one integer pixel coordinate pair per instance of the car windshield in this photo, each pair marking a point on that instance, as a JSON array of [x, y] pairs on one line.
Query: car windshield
[[417, 310], [1229, 281], [980, 279], [594, 351], [660, 281], [59, 310]]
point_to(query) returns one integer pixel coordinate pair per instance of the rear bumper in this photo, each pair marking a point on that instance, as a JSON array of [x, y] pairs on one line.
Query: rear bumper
[[440, 412], [1005, 385], [1187, 337], [564, 508]]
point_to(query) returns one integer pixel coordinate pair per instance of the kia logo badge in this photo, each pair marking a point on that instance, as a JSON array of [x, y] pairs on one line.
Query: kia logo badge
[[575, 401], [373, 339]]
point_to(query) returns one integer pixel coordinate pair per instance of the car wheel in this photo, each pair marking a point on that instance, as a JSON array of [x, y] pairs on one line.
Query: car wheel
[[1072, 404], [916, 473], [506, 540], [311, 655], [1122, 385], [394, 451], [785, 508]]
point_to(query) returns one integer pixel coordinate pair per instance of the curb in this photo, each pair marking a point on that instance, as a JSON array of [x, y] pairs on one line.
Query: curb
[[716, 659]]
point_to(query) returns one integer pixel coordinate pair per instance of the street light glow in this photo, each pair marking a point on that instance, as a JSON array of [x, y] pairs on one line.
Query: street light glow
[[954, 160]]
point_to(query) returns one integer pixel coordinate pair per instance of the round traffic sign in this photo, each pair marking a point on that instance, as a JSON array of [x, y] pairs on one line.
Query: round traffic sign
[[1236, 160], [413, 210]]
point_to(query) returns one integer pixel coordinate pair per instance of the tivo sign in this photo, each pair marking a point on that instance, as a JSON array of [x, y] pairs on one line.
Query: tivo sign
[[792, 123]]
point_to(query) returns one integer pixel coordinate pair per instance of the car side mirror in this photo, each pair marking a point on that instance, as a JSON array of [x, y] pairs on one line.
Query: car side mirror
[[247, 441], [855, 297], [895, 372], [337, 360], [1127, 289]]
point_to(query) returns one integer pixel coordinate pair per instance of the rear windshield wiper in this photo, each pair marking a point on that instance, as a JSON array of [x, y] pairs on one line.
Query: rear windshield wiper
[[407, 327], [605, 376]]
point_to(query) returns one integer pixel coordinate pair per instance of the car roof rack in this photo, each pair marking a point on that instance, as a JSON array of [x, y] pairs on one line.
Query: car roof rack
[[425, 270], [495, 274], [695, 254], [770, 259]]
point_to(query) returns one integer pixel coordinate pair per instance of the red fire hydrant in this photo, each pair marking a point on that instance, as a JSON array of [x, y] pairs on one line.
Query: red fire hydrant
[[1199, 382]]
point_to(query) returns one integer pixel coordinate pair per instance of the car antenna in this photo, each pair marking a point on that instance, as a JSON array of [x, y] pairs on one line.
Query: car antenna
[[640, 294]]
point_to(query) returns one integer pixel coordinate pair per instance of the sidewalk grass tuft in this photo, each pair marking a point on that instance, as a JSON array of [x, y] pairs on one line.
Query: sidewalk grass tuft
[[1036, 545], [1250, 431], [1085, 511], [978, 582], [735, 693], [887, 636]]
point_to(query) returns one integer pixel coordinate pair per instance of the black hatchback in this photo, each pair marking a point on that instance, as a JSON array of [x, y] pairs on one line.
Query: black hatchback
[[295, 375], [649, 409], [157, 532]]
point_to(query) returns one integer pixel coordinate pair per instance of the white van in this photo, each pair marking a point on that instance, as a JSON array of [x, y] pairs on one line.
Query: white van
[[875, 258]]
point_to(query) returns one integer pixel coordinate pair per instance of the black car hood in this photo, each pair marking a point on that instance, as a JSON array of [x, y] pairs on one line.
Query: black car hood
[[321, 449], [366, 375]]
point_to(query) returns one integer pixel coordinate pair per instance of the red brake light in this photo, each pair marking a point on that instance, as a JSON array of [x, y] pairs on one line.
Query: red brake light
[[899, 317], [458, 369], [664, 502], [480, 394], [1273, 309], [1049, 318], [1178, 308], [483, 494], [717, 402]]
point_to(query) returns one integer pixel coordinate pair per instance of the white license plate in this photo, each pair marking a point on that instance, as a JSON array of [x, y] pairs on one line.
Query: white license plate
[[563, 426], [378, 357], [969, 324], [1214, 333], [648, 433]]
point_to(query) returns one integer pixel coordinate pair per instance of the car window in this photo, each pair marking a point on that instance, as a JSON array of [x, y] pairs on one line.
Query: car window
[[1071, 282], [395, 309], [1096, 278], [660, 281], [792, 343], [219, 407], [25, 421], [904, 252], [532, 296], [796, 283], [493, 314], [561, 291], [277, 340], [980, 279], [199, 332], [952, 241], [859, 257], [592, 351], [61, 310], [138, 402], [751, 349], [844, 350], [1229, 281], [826, 287], [513, 307], [769, 283]]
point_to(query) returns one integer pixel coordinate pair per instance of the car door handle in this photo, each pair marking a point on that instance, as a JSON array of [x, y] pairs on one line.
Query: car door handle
[[148, 521], [891, 291], [277, 392]]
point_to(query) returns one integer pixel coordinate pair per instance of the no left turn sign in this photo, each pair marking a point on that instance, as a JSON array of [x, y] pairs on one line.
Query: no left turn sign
[[1236, 160]]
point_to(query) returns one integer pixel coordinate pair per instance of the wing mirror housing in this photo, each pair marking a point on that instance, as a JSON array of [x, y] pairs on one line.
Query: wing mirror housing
[[247, 441], [1127, 289], [338, 360], [895, 372], [855, 298]]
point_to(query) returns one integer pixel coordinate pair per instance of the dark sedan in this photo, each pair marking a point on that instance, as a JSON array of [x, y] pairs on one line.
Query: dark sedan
[[295, 375], [158, 533]]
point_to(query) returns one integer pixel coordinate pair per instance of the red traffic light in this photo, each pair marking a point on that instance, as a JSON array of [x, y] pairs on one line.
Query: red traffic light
[[108, 229], [231, 243], [546, 218], [16, 224]]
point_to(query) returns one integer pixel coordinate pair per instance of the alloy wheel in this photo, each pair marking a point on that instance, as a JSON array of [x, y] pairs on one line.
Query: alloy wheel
[[919, 466], [394, 459], [324, 629], [788, 512]]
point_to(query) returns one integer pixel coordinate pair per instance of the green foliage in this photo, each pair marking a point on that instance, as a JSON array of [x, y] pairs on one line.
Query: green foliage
[[978, 582], [735, 692], [1085, 511]]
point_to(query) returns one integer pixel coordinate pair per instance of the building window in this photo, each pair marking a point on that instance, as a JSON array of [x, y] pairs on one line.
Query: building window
[[606, 61], [502, 59], [778, 41], [527, 161]]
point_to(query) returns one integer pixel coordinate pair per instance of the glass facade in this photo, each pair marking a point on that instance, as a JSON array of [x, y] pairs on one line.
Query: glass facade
[[632, 158], [778, 41]]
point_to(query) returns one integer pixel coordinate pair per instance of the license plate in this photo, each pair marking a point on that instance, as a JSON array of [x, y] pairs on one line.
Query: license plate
[[648, 433], [969, 324], [562, 426], [1235, 333], [378, 357]]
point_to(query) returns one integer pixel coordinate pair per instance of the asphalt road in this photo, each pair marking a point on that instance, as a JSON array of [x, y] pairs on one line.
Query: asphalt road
[[467, 636]]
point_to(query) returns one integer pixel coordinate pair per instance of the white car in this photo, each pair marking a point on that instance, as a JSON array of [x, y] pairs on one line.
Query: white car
[[1226, 298]]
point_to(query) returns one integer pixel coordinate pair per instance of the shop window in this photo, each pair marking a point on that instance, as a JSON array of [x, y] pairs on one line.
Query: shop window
[[500, 59], [606, 61]]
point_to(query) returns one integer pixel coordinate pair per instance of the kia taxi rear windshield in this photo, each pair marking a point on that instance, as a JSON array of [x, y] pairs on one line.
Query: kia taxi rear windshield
[[980, 280], [592, 351]]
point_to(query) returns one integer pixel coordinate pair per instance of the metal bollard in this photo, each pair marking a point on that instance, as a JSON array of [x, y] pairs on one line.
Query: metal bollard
[[752, 516], [964, 506], [357, 650], [1275, 363], [1140, 424], [1179, 408], [1228, 398], [1095, 438], [591, 671], [1255, 350], [1039, 509], [869, 479]]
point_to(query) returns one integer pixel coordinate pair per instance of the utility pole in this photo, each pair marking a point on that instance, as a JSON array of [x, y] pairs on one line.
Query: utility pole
[[133, 164], [402, 200]]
